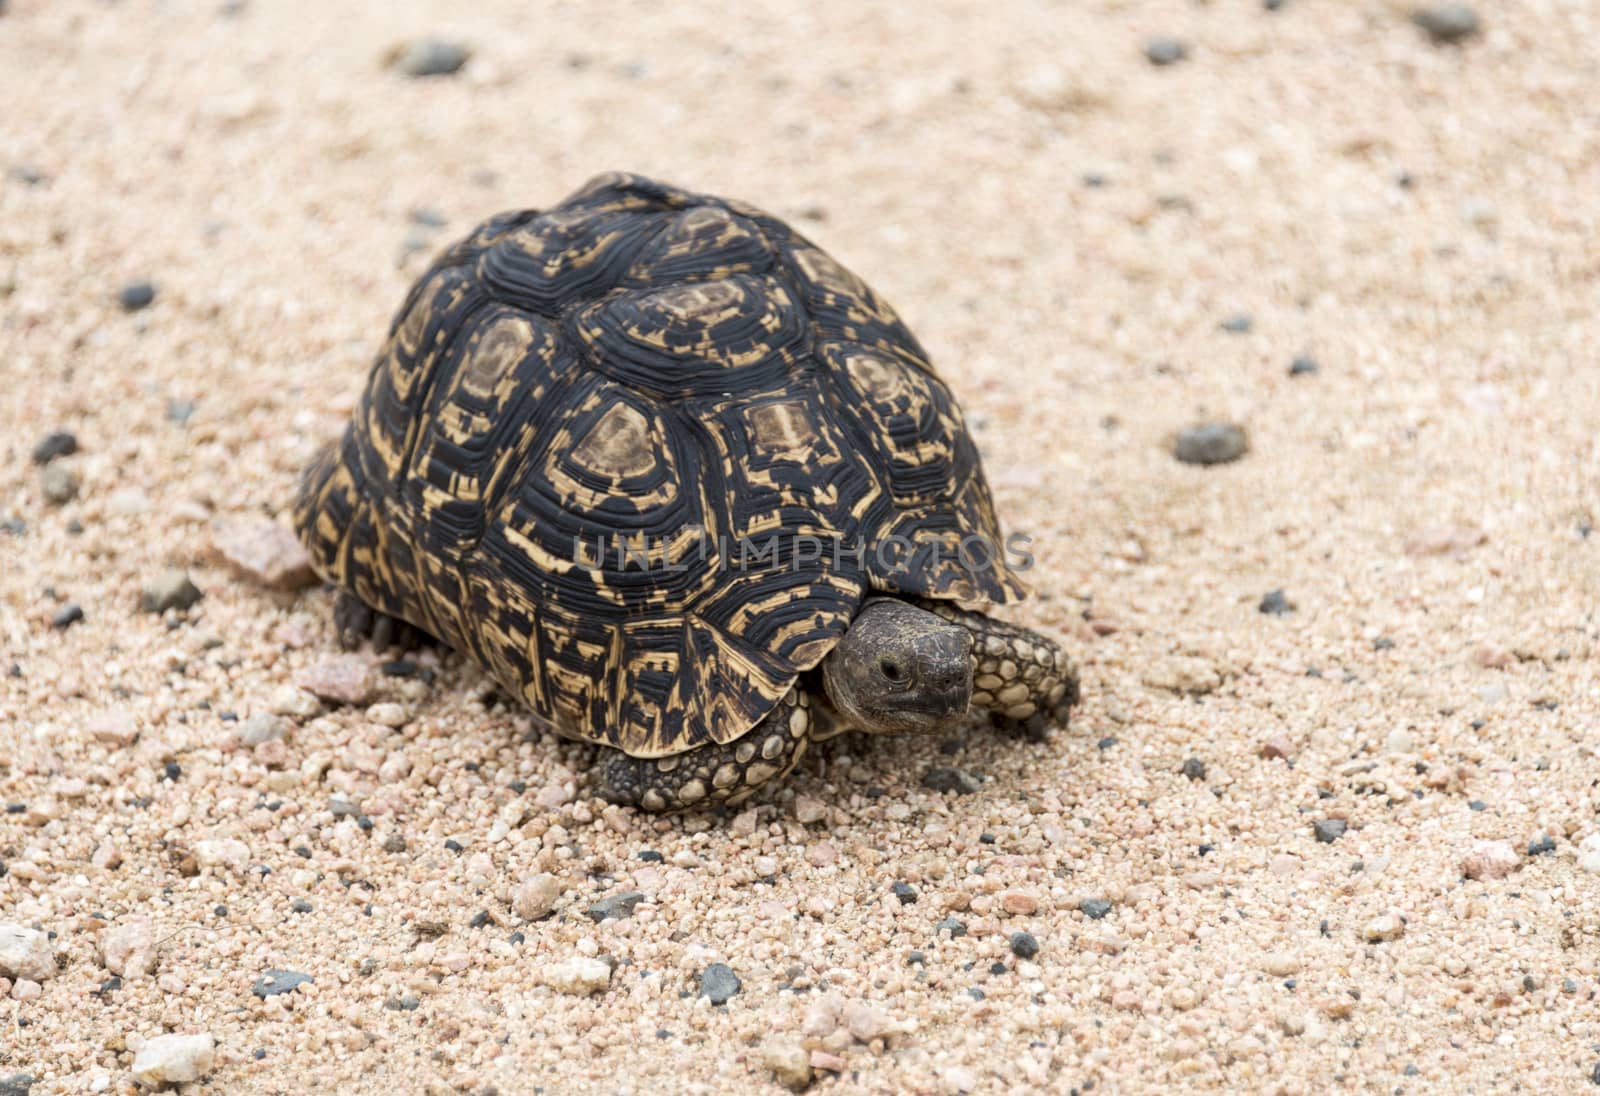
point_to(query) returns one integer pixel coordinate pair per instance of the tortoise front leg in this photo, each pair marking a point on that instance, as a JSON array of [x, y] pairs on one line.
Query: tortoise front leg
[[714, 774], [1021, 678]]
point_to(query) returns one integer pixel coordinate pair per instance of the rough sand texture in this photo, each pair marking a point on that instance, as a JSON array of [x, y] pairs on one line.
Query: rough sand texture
[[1420, 219]]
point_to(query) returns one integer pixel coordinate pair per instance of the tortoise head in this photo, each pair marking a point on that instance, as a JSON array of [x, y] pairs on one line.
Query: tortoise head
[[900, 670]]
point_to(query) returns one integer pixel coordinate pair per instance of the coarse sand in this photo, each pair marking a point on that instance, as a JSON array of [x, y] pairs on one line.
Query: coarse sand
[[1326, 818]]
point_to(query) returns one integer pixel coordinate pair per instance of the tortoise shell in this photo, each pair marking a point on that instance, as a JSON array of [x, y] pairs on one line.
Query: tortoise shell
[[603, 443]]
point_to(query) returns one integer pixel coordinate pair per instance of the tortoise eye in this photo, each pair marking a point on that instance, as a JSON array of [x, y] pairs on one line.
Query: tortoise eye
[[891, 670]]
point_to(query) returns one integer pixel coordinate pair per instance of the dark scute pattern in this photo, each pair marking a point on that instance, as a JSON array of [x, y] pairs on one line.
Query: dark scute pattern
[[580, 418]]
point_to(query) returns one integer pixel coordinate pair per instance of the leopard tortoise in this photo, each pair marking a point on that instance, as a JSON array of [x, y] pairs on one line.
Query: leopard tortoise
[[685, 486]]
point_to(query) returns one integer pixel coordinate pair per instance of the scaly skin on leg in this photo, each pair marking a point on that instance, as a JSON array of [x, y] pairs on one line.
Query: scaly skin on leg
[[714, 775], [1021, 678], [356, 622]]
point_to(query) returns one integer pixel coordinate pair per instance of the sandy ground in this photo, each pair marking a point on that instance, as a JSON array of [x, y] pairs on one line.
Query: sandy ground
[[1066, 226]]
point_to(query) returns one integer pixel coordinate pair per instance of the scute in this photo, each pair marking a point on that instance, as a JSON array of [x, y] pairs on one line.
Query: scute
[[636, 453]]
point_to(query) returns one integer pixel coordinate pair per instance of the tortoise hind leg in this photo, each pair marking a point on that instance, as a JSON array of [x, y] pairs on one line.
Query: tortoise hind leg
[[1024, 680], [716, 774], [356, 622]]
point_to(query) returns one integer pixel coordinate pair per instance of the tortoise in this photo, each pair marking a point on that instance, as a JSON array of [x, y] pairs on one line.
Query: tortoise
[[682, 484]]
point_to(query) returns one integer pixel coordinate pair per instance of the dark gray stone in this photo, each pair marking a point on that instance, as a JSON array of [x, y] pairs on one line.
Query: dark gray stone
[[945, 778], [1329, 830], [136, 295], [274, 982], [1211, 443], [1275, 603], [1094, 908], [1302, 366], [1024, 945], [1163, 50], [618, 906], [57, 443], [719, 983]]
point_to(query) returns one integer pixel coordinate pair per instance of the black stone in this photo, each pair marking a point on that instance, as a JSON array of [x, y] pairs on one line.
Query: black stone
[[1275, 603], [719, 983], [618, 906], [1238, 324], [17, 1084], [172, 771], [905, 892], [453, 845], [650, 856], [57, 443], [1094, 908], [1302, 366], [1545, 844], [1383, 643], [1477, 805], [300, 905], [997, 968], [1106, 743], [1329, 830], [1194, 769], [66, 616], [136, 295], [976, 994], [1023, 945], [275, 982], [944, 778], [954, 927], [1210, 443]]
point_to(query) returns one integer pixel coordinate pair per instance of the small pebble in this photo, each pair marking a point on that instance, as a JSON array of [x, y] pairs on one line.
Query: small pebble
[[1277, 747], [1023, 945], [789, 1062], [274, 982], [944, 778], [265, 552], [1237, 324], [581, 975], [1163, 50], [1302, 366], [905, 892], [1210, 443], [1544, 844], [1329, 830], [57, 443], [616, 906], [1391, 926], [341, 679], [1490, 860], [59, 484], [171, 589], [1094, 908], [719, 983], [951, 925], [1447, 23], [536, 896], [430, 57], [180, 411], [26, 953], [1194, 769], [1275, 603], [66, 616], [136, 295], [174, 1059]]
